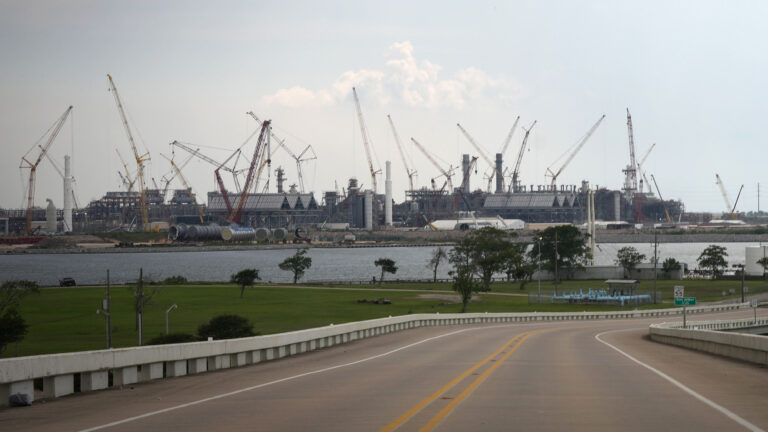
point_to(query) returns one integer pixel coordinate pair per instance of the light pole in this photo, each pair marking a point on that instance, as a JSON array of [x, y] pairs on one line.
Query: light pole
[[173, 306], [741, 266], [539, 272]]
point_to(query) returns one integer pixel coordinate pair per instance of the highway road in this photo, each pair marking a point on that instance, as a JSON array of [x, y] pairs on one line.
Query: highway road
[[596, 376]]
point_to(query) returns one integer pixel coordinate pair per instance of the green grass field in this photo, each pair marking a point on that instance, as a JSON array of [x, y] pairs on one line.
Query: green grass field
[[65, 319]]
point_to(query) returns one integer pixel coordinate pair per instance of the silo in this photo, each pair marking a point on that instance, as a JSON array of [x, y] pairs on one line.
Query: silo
[[50, 217], [67, 195]]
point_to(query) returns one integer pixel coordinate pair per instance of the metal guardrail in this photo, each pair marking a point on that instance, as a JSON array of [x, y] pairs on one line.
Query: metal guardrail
[[104, 368]]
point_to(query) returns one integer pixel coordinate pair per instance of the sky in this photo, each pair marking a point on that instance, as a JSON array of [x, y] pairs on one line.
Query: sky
[[692, 74]]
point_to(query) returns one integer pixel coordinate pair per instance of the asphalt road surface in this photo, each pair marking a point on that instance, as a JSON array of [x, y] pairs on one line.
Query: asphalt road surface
[[596, 376]]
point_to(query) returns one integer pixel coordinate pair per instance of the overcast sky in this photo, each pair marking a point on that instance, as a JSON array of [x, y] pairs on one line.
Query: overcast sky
[[692, 73]]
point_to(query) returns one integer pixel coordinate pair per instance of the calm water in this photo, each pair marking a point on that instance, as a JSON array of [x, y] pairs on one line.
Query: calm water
[[336, 264]]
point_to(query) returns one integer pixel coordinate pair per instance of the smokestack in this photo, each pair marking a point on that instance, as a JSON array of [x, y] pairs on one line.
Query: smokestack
[[465, 172], [368, 210], [388, 196], [67, 195], [280, 179], [499, 170], [616, 206]]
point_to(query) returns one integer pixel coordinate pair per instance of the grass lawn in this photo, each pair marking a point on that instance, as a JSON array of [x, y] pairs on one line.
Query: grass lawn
[[65, 319]]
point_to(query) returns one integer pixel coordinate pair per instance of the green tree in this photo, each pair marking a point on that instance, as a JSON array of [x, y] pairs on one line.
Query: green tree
[[12, 292], [298, 264], [518, 265], [764, 263], [13, 328], [669, 265], [464, 283], [486, 250], [226, 327], [628, 258], [438, 255], [387, 265], [245, 278], [713, 260], [563, 250]]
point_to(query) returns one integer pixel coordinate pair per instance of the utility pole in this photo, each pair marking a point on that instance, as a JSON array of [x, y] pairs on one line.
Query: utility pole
[[109, 314], [556, 279], [655, 263], [140, 300]]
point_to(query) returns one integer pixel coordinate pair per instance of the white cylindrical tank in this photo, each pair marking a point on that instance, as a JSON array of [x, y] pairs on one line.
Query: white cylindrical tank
[[238, 234], [368, 210], [754, 253], [50, 217], [67, 195], [388, 196]]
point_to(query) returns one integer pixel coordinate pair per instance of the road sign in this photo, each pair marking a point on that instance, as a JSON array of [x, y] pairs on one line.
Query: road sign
[[685, 301], [679, 290]]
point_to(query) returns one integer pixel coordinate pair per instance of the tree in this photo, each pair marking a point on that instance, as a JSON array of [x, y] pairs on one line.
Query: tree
[[438, 255], [669, 265], [12, 292], [464, 283], [518, 265], [628, 257], [485, 250], [13, 328], [764, 263], [562, 247], [713, 259], [226, 327], [298, 264], [245, 278], [387, 265]]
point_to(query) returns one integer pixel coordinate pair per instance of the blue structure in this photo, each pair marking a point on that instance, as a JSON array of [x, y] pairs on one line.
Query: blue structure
[[619, 292]]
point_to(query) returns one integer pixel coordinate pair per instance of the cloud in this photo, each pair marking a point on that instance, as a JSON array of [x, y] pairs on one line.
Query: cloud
[[406, 80]]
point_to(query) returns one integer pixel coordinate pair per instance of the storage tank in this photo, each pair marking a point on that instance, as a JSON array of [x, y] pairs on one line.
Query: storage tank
[[263, 234], [177, 232], [238, 234], [754, 253], [368, 210], [204, 232], [279, 234], [50, 217]]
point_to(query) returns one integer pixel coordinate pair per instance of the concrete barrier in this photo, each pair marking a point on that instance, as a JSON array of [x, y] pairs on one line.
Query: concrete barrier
[[137, 364], [716, 337]]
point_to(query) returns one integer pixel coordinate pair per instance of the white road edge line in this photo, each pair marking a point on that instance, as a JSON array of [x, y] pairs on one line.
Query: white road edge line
[[731, 415], [223, 395]]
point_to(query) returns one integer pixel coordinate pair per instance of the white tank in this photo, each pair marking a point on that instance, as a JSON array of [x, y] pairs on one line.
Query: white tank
[[388, 196], [67, 195], [754, 253], [50, 217]]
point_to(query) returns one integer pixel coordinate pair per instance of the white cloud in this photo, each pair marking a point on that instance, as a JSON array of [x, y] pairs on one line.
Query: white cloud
[[406, 80]]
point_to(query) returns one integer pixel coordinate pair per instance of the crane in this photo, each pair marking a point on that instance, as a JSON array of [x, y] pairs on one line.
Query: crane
[[516, 172], [730, 209], [365, 141], [485, 157], [409, 171], [630, 181], [669, 219], [140, 159], [464, 182], [642, 172], [177, 170], [130, 181], [218, 165], [448, 174], [298, 158], [260, 154], [573, 153], [509, 136], [54, 131]]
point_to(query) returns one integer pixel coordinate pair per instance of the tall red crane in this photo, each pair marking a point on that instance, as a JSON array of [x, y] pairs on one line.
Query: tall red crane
[[365, 141], [55, 129], [260, 158]]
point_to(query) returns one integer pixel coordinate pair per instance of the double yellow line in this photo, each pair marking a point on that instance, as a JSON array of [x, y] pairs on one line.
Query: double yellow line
[[512, 344]]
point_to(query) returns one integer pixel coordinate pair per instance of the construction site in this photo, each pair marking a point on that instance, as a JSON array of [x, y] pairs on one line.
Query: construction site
[[260, 208]]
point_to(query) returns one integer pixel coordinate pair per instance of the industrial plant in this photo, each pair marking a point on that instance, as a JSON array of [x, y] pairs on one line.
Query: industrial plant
[[260, 210]]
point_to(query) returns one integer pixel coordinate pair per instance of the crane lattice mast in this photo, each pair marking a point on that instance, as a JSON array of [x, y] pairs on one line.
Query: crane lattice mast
[[408, 170], [576, 150], [181, 177], [260, 154], [516, 172], [365, 141], [140, 159], [642, 171], [485, 157], [448, 174], [630, 181]]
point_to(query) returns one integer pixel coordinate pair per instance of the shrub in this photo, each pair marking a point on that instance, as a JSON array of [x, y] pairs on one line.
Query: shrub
[[226, 327], [172, 338], [175, 280]]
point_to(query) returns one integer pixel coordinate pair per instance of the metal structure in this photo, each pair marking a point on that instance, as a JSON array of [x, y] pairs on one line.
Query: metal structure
[[642, 171], [260, 158], [630, 179], [666, 211], [140, 159], [54, 131], [731, 209], [218, 165], [307, 154], [576, 150], [408, 170], [367, 145], [177, 170], [448, 174], [484, 156], [515, 186]]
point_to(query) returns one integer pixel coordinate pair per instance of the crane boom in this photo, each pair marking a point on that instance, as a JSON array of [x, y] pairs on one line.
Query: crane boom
[[576, 150], [33, 165], [140, 159], [722, 191], [509, 136], [518, 162], [177, 170], [408, 170], [364, 132], [631, 184], [734, 216], [669, 219], [447, 174], [641, 170], [479, 150], [260, 152]]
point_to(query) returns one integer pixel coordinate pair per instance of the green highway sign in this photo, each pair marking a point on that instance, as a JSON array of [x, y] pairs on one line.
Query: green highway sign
[[685, 301]]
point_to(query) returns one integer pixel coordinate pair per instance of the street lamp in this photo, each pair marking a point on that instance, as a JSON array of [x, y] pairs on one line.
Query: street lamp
[[173, 306], [539, 272], [743, 270]]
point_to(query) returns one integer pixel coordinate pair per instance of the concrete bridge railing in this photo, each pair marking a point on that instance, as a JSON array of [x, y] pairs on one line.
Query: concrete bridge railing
[[717, 337], [63, 374]]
